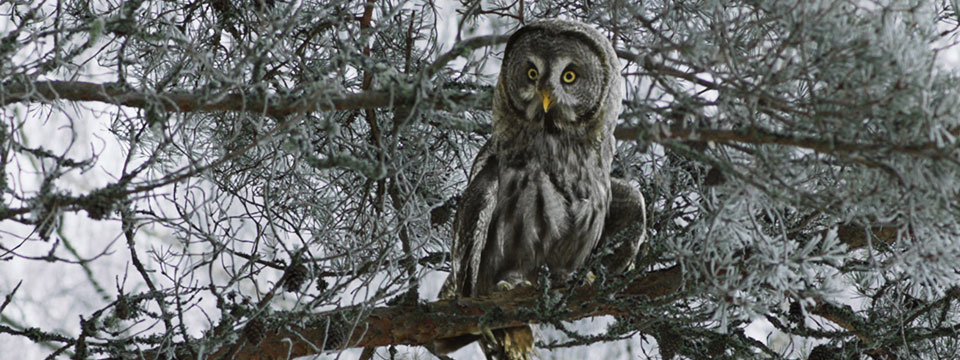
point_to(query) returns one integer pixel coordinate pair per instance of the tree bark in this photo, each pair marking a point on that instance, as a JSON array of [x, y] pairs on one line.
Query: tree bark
[[420, 324]]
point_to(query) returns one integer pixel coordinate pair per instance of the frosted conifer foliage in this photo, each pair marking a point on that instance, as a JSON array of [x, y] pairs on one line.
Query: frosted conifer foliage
[[279, 177]]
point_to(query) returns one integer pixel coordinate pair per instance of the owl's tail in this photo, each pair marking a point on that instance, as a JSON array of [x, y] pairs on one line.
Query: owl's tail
[[502, 344]]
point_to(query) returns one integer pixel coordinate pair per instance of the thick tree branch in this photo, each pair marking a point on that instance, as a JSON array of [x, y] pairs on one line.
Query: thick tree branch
[[317, 98], [420, 324], [186, 101], [758, 136], [407, 324]]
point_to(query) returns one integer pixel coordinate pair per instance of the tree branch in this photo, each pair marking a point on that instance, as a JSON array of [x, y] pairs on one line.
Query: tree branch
[[420, 324], [320, 100], [186, 101], [759, 136]]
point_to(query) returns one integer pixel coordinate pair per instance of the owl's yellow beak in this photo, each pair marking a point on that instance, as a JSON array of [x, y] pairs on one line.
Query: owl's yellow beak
[[547, 99]]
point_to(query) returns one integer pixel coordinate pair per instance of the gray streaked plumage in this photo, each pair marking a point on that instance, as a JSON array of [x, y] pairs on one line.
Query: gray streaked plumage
[[540, 190]]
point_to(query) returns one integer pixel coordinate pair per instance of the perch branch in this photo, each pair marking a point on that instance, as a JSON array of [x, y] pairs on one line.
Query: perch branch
[[420, 324]]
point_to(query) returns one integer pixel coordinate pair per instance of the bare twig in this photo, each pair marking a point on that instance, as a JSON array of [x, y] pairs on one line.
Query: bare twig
[[129, 230], [9, 297]]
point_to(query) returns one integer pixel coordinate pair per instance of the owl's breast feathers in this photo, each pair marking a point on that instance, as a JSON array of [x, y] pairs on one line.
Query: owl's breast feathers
[[553, 194]]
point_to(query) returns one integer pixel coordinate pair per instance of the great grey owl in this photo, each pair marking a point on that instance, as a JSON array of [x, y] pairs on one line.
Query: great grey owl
[[540, 192]]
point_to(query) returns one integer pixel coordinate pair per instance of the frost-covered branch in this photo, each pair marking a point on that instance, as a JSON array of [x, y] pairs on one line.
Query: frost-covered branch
[[279, 106], [420, 324], [187, 101]]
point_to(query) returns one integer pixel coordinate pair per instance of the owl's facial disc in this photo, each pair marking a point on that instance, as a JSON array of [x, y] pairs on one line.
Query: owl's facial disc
[[553, 80], [547, 90]]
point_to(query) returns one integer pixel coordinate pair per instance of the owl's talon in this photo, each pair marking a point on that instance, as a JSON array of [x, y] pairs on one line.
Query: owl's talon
[[504, 285], [590, 278]]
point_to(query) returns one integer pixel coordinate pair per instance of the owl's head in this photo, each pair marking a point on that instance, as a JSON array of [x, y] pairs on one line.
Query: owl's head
[[559, 74]]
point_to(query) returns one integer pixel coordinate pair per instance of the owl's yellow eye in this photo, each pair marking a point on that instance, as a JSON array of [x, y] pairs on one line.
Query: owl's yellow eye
[[569, 76], [532, 74]]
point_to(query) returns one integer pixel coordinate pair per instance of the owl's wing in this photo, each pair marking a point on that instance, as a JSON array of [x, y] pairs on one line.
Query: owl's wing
[[625, 229], [469, 236], [471, 223]]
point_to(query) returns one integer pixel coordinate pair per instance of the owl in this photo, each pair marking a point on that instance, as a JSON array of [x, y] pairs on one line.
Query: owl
[[540, 195]]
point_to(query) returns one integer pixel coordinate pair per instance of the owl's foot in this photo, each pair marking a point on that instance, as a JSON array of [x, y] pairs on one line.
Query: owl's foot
[[578, 279], [590, 278], [504, 285]]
